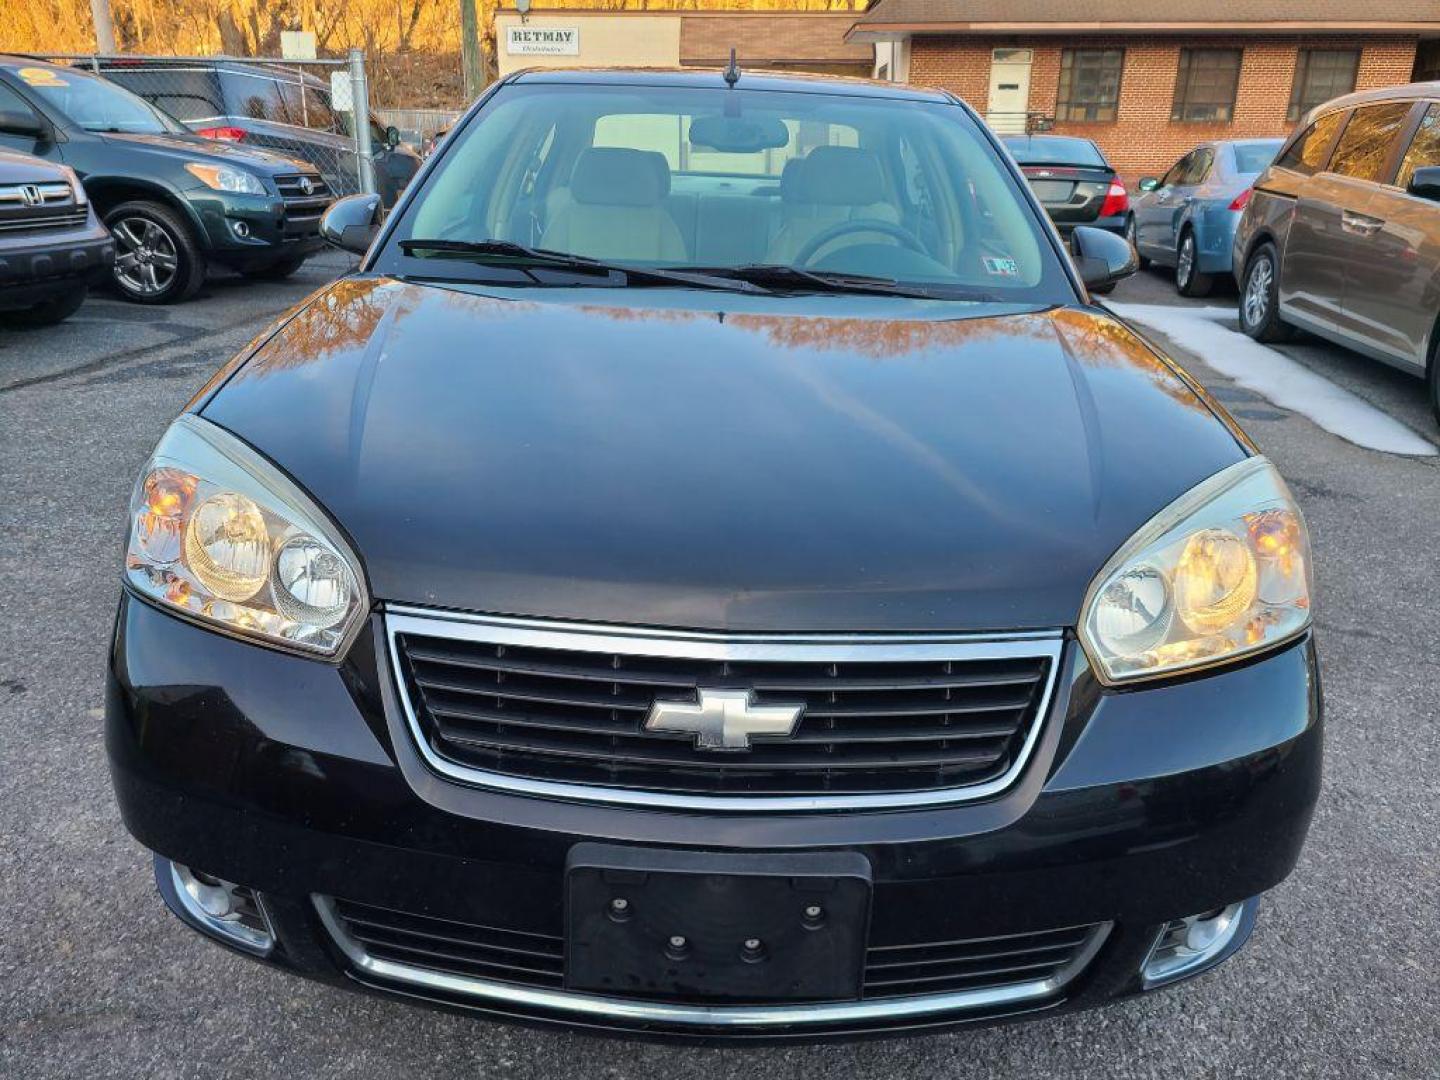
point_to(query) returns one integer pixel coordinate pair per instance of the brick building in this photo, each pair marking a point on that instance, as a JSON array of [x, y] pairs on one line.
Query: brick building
[[1147, 85]]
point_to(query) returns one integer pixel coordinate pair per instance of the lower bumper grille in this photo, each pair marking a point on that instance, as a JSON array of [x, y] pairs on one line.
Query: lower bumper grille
[[569, 707], [498, 964]]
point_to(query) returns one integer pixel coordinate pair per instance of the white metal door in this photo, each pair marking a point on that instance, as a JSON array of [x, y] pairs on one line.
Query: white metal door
[[1009, 90]]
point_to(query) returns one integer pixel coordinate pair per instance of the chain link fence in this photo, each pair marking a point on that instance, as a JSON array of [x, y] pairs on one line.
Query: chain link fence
[[314, 110]]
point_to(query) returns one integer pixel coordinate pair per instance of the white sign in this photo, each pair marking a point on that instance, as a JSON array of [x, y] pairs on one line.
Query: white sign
[[542, 40], [340, 98], [297, 44]]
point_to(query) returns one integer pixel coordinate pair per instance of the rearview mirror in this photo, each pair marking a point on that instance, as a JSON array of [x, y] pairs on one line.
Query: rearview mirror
[[738, 134], [16, 122], [1148, 183], [1425, 182], [1102, 258], [352, 222]]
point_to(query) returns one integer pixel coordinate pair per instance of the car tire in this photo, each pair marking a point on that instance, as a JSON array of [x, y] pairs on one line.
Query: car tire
[[47, 312], [157, 258], [276, 271], [1260, 297], [1188, 280]]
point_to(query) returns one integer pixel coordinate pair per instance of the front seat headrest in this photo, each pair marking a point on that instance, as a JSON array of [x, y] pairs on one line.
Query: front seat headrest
[[619, 176]]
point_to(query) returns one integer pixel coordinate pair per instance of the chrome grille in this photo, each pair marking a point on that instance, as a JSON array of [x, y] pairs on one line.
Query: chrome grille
[[501, 700], [26, 207], [936, 967], [406, 947]]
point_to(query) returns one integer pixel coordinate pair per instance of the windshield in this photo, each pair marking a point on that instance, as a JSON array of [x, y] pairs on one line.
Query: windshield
[[1253, 157], [719, 179], [1054, 149], [97, 105]]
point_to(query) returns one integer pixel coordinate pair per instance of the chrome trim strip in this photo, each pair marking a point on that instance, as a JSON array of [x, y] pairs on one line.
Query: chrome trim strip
[[645, 641], [733, 1016]]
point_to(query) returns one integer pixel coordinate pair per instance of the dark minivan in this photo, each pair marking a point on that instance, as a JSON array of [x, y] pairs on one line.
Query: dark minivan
[[714, 573], [1342, 234], [175, 202]]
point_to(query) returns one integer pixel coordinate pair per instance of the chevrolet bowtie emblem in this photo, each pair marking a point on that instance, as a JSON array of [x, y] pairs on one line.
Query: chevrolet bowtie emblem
[[723, 719]]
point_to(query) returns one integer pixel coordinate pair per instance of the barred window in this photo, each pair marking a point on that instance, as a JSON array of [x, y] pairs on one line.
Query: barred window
[[1205, 86], [1320, 75], [1089, 84]]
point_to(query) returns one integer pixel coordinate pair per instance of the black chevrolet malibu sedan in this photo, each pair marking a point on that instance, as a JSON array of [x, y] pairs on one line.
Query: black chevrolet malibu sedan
[[713, 573]]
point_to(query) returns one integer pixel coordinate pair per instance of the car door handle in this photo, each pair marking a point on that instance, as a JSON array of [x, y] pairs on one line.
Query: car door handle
[[1360, 224]]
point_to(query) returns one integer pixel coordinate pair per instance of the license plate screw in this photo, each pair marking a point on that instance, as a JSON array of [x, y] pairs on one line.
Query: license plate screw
[[618, 909], [752, 950], [812, 916], [678, 947]]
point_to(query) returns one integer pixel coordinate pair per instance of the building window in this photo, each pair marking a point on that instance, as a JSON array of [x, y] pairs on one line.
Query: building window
[[1205, 86], [1320, 75], [1089, 84]]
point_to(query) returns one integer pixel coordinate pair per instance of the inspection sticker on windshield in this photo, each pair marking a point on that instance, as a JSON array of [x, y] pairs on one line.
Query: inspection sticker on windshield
[[41, 77], [998, 266]]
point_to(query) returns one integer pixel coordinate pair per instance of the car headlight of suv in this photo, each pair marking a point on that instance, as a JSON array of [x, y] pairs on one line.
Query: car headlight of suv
[[1222, 572], [224, 178], [220, 535]]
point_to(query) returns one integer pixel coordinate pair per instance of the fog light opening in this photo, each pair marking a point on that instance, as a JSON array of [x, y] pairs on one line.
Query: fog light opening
[[233, 913], [1196, 943], [241, 229]]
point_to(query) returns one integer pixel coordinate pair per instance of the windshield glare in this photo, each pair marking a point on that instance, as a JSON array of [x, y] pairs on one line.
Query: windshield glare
[[665, 177], [97, 105]]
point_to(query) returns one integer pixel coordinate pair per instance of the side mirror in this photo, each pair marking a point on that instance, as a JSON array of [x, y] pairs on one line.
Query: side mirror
[[16, 122], [392, 137], [1102, 257], [1425, 183], [352, 222], [1148, 183]]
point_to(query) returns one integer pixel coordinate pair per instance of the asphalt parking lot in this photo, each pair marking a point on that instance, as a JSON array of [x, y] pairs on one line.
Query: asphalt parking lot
[[1339, 980]]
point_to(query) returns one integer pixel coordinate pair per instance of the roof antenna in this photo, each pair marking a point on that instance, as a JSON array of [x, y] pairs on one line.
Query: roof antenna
[[732, 72]]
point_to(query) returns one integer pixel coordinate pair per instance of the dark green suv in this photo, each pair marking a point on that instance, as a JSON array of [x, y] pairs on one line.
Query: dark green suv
[[174, 201]]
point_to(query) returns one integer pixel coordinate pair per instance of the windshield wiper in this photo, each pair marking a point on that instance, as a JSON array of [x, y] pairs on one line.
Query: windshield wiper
[[780, 276], [564, 260]]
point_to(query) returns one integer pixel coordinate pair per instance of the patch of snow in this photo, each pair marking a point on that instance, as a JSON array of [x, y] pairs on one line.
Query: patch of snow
[[1275, 376]]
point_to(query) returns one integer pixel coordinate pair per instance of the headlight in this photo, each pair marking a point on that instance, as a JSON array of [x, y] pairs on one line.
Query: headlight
[[224, 178], [1222, 572], [217, 533], [77, 189]]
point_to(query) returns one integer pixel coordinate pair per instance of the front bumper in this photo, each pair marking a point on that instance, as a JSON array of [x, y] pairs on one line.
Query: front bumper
[[252, 231], [295, 779], [37, 266]]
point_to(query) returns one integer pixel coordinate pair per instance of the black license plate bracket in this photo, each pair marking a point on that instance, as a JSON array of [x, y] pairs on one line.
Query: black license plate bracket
[[685, 921]]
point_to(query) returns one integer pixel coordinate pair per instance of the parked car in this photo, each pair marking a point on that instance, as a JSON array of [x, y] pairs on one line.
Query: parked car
[[779, 604], [175, 202], [1342, 234], [1187, 218], [52, 247], [1074, 182], [274, 108]]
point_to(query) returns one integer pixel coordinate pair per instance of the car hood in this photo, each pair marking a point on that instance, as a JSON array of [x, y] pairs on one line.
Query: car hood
[[27, 169], [723, 470], [195, 148]]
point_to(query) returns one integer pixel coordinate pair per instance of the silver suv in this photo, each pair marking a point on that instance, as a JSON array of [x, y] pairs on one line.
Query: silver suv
[[1342, 234]]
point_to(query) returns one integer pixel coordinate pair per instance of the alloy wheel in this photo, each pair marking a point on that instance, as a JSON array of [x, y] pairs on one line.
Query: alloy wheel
[[1185, 262], [1256, 304], [146, 263]]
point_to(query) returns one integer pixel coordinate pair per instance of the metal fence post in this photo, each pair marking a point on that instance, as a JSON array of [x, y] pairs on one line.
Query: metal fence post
[[360, 103]]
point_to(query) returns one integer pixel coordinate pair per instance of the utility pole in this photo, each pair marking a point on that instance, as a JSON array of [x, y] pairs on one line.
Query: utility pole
[[470, 58], [104, 27]]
